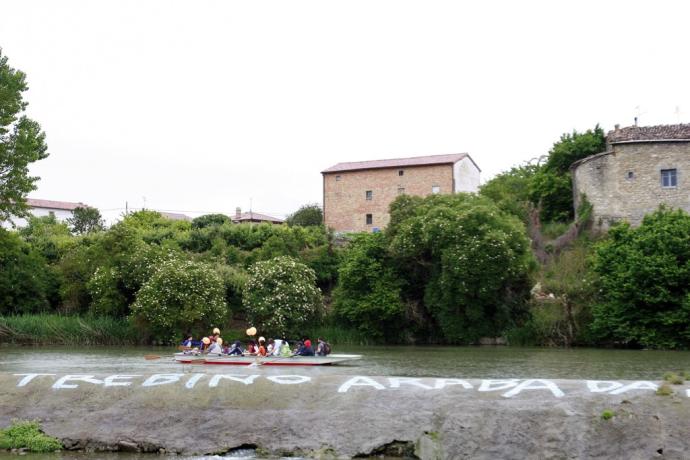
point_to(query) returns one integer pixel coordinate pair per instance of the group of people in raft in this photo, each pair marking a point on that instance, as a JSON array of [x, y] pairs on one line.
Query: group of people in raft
[[213, 344]]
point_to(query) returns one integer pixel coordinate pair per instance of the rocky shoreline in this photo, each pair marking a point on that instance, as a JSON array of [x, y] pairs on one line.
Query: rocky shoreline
[[348, 416]]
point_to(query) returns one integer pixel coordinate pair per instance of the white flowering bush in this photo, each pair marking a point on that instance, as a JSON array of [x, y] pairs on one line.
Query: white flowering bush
[[281, 296], [180, 297]]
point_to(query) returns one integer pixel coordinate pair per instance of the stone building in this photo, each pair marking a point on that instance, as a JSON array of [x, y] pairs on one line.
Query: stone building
[[642, 167], [356, 195]]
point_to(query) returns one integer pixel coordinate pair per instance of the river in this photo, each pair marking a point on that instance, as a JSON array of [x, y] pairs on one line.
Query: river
[[463, 362]]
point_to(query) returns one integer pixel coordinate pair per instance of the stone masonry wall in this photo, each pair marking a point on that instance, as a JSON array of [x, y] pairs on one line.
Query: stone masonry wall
[[345, 203], [604, 180]]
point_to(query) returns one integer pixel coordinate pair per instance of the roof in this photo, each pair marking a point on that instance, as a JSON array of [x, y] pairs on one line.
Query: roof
[[50, 204], [253, 216], [399, 162], [650, 133], [174, 215]]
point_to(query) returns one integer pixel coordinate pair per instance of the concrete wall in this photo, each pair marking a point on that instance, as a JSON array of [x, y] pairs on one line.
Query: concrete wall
[[345, 203], [604, 180], [466, 176]]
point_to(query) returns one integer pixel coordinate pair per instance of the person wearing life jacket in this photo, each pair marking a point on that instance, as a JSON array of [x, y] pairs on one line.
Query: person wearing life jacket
[[323, 348], [252, 348], [262, 347], [269, 348], [205, 343], [236, 348], [216, 347], [305, 349], [189, 342], [285, 351], [277, 344]]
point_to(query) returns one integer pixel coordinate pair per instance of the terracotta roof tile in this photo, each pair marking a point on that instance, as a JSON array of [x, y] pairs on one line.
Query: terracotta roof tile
[[649, 133], [398, 162], [50, 204]]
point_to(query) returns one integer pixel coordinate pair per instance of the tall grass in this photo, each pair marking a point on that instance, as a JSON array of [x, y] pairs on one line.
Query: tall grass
[[339, 335], [53, 329]]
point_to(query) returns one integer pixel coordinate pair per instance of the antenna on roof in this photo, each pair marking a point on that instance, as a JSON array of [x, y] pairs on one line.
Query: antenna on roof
[[639, 113]]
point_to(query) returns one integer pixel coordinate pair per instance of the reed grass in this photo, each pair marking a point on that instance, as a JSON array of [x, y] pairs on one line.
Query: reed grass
[[54, 329], [339, 335]]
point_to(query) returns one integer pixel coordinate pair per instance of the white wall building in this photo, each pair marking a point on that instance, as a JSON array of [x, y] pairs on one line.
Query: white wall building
[[39, 208]]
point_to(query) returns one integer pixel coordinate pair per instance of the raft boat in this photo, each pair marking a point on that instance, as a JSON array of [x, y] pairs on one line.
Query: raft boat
[[247, 360]]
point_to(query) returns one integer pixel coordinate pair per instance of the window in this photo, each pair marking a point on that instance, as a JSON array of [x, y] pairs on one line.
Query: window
[[370, 219], [401, 172], [435, 189], [631, 175], [369, 195], [401, 190], [337, 178], [669, 178]]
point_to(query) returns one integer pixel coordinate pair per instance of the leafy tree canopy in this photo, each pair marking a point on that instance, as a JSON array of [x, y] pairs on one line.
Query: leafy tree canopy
[[210, 220], [21, 143], [307, 215], [86, 219], [645, 280]]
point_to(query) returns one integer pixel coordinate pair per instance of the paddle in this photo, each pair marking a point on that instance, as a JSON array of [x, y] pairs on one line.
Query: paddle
[[151, 357]]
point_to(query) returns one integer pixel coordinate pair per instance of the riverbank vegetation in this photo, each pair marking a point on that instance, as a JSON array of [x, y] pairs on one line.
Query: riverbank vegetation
[[25, 435], [447, 269], [513, 261]]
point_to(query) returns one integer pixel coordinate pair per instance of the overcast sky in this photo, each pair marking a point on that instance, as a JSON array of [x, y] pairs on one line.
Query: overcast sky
[[200, 106]]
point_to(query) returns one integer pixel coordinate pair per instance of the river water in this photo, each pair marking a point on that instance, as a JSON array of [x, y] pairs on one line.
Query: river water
[[464, 362], [458, 362]]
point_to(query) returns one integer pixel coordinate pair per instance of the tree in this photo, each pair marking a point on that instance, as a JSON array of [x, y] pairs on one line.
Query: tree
[[21, 142], [369, 294], [467, 261], [645, 282], [305, 216], [86, 219], [181, 297], [281, 296], [24, 276], [552, 186], [510, 190], [210, 220]]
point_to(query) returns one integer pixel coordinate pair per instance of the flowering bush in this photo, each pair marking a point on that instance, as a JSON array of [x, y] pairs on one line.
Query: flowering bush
[[280, 295], [181, 296]]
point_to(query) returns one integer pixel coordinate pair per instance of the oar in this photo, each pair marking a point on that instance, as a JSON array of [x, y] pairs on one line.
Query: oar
[[151, 357]]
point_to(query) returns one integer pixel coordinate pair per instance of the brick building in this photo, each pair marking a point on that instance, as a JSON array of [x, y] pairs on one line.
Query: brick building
[[642, 167], [356, 195]]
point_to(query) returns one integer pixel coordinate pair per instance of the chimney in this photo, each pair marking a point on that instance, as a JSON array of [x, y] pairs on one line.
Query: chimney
[[238, 213], [617, 127]]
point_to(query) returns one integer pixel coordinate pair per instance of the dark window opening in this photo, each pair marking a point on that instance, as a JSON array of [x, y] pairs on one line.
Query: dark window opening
[[631, 175], [370, 219], [369, 195], [401, 172], [669, 178], [338, 178]]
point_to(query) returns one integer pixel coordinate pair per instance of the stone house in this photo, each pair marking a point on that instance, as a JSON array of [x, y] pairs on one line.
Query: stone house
[[642, 167], [356, 195]]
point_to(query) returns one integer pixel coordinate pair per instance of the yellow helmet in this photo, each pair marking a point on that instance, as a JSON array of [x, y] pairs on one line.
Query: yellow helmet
[[219, 341], [216, 331], [206, 340]]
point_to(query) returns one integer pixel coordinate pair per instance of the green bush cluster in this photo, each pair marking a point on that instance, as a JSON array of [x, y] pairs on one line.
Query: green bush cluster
[[450, 268], [24, 434]]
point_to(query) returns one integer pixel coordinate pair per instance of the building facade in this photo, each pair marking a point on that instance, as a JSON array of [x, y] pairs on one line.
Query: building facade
[[356, 195], [642, 167], [62, 210]]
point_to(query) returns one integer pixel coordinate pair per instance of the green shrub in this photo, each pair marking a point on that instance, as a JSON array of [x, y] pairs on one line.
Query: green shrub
[[664, 390], [181, 297], [281, 296], [368, 295], [607, 414], [25, 278], [27, 435], [673, 378], [466, 260], [645, 282], [53, 329]]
